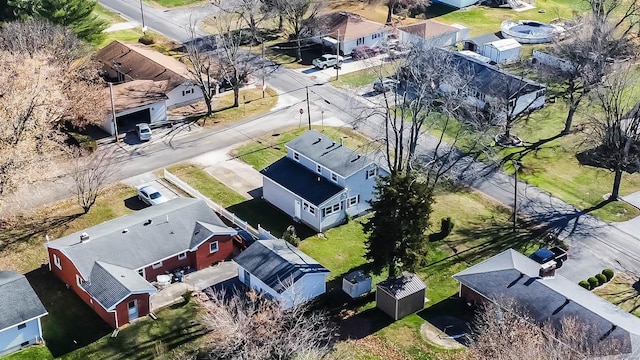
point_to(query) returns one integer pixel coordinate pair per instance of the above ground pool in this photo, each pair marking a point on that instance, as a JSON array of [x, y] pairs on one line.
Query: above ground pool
[[530, 32]]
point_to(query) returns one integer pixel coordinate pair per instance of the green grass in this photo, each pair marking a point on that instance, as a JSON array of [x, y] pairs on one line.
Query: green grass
[[251, 104], [177, 326], [206, 184], [107, 15], [364, 77], [175, 3], [622, 291], [36, 352]]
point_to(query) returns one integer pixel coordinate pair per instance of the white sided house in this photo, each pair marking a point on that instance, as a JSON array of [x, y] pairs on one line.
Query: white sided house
[[20, 313], [279, 269], [320, 181], [134, 102], [351, 30], [431, 33]]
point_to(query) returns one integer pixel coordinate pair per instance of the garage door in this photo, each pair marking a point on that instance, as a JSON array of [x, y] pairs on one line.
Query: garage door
[[128, 122]]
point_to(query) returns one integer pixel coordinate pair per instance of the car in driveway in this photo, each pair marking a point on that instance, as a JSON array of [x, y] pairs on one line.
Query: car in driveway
[[327, 60], [384, 85], [364, 52], [144, 131], [150, 196]]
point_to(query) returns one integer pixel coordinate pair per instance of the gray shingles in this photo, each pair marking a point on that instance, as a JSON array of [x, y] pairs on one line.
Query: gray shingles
[[275, 262], [18, 301], [329, 153], [301, 181], [110, 284]]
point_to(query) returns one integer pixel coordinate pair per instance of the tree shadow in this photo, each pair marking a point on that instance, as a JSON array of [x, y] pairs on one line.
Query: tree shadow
[[363, 324], [529, 148], [14, 231], [259, 212]]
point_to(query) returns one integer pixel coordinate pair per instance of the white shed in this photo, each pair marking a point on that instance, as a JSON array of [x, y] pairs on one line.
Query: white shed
[[356, 283], [501, 51]]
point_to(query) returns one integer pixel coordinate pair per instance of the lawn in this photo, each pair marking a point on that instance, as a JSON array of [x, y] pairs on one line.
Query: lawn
[[37, 352], [364, 77], [206, 184], [251, 104], [107, 15], [623, 291]]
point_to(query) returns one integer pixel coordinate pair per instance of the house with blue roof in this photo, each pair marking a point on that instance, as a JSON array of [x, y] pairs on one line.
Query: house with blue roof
[[281, 271], [320, 181]]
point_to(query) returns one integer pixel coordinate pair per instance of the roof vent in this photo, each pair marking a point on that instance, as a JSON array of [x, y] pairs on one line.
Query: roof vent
[[124, 231], [148, 222], [84, 237]]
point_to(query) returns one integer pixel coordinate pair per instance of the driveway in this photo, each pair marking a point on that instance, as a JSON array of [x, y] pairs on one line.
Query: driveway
[[348, 66], [151, 179]]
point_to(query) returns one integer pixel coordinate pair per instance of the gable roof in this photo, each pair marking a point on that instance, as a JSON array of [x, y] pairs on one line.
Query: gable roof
[[514, 276], [402, 286], [128, 243], [18, 301], [136, 93], [480, 40], [301, 181], [505, 44], [275, 262], [110, 284], [428, 29], [350, 25], [329, 153], [491, 80], [139, 62]]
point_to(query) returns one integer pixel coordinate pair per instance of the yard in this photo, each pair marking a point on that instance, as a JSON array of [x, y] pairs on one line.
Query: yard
[[251, 104], [623, 291]]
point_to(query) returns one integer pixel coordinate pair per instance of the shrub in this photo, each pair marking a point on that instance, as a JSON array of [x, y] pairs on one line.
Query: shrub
[[187, 296], [593, 282], [446, 225], [290, 236], [585, 284], [601, 279], [84, 141], [146, 39], [608, 273]]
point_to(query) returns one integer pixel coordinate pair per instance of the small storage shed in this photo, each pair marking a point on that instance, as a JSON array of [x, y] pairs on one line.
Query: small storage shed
[[501, 51], [356, 283], [401, 296]]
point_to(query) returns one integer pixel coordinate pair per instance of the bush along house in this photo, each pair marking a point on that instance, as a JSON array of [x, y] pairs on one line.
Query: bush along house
[[111, 266]]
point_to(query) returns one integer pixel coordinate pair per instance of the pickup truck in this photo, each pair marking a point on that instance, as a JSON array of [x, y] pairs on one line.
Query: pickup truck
[[327, 60], [544, 255]]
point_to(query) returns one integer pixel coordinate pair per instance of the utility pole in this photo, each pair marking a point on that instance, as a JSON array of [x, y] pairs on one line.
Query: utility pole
[[308, 112], [338, 55], [113, 112], [263, 75], [516, 167], [144, 28]]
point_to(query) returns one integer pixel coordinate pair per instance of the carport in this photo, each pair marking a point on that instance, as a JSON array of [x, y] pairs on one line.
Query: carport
[[139, 101]]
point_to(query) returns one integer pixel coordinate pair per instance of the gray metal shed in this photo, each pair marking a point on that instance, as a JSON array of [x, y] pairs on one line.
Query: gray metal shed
[[401, 296], [356, 283]]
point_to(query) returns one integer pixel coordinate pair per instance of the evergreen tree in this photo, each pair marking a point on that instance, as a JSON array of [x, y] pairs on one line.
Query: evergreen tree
[[76, 14], [397, 232]]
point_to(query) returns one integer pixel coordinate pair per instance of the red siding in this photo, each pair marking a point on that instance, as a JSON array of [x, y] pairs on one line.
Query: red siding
[[204, 258], [168, 264], [123, 311], [471, 296], [108, 316]]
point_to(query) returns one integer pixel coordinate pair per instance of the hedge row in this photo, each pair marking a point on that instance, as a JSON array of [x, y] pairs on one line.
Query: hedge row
[[597, 280]]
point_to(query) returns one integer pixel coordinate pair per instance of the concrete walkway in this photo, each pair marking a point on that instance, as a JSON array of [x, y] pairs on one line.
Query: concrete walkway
[[196, 281]]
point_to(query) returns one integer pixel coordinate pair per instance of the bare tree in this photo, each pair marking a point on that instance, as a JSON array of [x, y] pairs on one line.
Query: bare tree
[[393, 5], [250, 326], [202, 67], [90, 174], [614, 135], [298, 12], [251, 12]]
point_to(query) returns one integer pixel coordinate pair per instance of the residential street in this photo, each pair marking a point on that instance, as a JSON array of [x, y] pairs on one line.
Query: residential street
[[594, 244]]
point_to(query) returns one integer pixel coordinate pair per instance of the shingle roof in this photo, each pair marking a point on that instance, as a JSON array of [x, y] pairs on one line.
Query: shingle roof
[[513, 275], [136, 93], [350, 25], [18, 301], [276, 262], [402, 286], [138, 62], [428, 29], [329, 153], [302, 181], [110, 284], [129, 243]]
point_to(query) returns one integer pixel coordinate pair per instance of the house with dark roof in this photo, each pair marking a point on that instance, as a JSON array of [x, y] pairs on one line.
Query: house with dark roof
[[20, 313], [111, 266], [511, 276], [432, 33], [320, 181], [350, 30], [126, 62], [281, 271]]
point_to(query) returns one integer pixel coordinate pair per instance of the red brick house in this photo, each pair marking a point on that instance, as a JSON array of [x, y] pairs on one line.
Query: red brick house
[[110, 266]]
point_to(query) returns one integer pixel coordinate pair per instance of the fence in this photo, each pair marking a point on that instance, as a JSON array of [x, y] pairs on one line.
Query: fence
[[216, 207]]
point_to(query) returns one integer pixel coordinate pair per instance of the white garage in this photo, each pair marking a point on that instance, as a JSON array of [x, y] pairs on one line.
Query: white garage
[[502, 51], [138, 101]]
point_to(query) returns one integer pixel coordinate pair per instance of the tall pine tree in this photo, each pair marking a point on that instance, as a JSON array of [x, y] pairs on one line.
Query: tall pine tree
[[76, 14]]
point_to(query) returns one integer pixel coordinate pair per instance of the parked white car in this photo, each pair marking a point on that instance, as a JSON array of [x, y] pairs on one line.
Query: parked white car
[[327, 60], [150, 196], [144, 131]]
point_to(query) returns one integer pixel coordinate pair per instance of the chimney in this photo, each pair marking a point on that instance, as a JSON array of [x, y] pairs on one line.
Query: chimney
[[548, 270], [84, 237]]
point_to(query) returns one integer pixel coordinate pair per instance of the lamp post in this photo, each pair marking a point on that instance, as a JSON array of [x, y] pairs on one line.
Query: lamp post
[[113, 112], [144, 28], [516, 167]]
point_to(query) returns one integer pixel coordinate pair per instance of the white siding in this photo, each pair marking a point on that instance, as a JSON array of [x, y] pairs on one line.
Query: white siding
[[501, 55], [184, 94], [11, 338], [458, 3], [437, 41], [285, 200], [158, 112]]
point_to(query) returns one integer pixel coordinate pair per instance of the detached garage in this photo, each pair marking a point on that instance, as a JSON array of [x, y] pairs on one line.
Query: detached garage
[[135, 102], [401, 296], [502, 51]]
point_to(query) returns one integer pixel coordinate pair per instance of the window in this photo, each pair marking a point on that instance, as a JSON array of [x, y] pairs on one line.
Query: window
[[187, 92], [319, 169], [132, 304], [334, 177], [22, 326], [157, 265], [296, 156], [182, 256], [331, 209], [79, 281], [56, 260], [352, 201], [371, 172], [309, 208], [375, 36], [213, 247], [360, 41]]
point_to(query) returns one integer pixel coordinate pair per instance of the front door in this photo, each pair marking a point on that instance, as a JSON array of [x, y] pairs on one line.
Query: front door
[[297, 209], [133, 309]]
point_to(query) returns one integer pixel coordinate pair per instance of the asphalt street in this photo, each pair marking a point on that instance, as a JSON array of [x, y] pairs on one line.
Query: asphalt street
[[594, 244]]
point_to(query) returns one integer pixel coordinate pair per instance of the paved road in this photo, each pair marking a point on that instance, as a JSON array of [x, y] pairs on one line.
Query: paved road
[[595, 244]]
